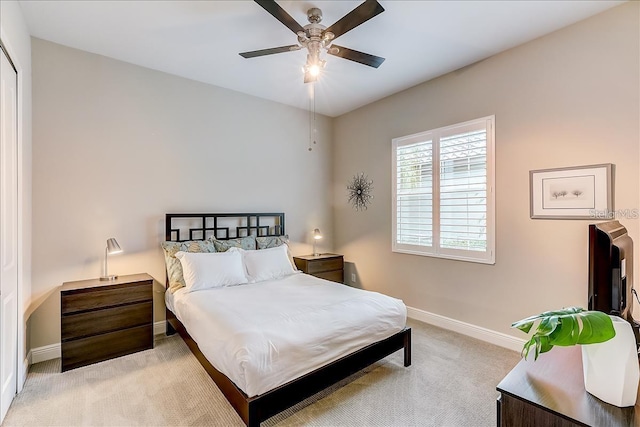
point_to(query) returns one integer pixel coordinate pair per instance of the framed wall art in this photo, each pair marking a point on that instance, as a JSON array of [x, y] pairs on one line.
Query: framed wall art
[[580, 192]]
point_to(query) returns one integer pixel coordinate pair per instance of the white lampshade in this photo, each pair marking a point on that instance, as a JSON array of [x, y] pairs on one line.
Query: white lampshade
[[112, 248]]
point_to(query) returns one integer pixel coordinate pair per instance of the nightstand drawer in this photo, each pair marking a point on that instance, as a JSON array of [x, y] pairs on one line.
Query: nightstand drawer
[[106, 346], [90, 299], [325, 265], [334, 276], [106, 320]]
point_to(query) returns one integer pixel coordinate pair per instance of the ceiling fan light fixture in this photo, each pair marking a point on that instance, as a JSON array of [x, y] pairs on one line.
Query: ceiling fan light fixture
[[314, 70], [314, 67], [314, 64]]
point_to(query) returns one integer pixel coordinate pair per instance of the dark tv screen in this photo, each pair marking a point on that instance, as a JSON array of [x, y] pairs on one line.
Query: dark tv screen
[[611, 269]]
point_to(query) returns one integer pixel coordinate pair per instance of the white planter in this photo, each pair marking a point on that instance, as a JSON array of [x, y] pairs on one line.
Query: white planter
[[611, 371]]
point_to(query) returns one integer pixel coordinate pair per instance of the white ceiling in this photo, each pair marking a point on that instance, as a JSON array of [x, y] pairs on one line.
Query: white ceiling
[[201, 40]]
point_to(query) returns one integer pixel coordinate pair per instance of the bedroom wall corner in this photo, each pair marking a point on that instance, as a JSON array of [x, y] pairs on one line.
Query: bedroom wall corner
[[569, 98], [116, 146]]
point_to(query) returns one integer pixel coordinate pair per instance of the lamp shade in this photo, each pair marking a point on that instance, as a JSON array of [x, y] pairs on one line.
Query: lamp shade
[[316, 234], [113, 247]]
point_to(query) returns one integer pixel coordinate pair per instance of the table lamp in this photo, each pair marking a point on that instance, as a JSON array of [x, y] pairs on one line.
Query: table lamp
[[112, 248], [316, 236]]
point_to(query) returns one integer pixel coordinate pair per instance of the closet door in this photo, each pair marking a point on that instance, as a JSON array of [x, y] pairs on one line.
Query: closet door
[[8, 233]]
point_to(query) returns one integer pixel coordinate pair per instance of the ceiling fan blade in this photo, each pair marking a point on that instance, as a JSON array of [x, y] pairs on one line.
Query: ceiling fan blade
[[271, 51], [279, 13], [356, 56], [357, 16]]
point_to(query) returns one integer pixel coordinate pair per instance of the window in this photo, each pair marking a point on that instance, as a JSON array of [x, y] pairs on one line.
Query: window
[[443, 199]]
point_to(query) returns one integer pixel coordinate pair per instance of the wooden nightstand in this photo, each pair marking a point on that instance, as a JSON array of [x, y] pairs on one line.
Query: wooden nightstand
[[325, 266], [102, 320]]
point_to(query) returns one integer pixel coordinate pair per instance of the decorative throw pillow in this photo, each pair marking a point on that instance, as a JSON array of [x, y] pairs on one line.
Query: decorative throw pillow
[[247, 243], [174, 268], [266, 242], [212, 270]]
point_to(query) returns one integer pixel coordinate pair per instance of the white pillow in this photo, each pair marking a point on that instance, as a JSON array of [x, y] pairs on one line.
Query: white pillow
[[211, 270], [267, 264]]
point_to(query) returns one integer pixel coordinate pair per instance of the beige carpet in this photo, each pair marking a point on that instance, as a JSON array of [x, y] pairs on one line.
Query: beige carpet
[[450, 383]]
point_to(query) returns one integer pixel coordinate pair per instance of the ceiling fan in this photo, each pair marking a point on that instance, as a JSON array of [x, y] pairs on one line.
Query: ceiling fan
[[315, 37]]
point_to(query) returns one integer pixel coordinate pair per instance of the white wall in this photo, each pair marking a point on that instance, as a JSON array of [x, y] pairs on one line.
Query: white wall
[[569, 98], [116, 146], [15, 37]]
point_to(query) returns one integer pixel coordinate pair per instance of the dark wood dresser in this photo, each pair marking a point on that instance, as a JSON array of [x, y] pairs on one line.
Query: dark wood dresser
[[325, 266], [101, 320], [550, 392]]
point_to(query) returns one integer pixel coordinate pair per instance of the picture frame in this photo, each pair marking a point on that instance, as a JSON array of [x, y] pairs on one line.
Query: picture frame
[[579, 192]]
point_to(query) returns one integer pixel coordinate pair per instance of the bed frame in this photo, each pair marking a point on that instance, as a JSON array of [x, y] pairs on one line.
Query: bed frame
[[253, 410]]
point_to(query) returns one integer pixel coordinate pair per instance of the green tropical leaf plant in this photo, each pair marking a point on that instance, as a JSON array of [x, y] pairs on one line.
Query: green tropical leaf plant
[[566, 327]]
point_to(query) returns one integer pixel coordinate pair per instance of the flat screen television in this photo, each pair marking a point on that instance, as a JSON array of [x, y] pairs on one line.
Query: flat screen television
[[611, 271]]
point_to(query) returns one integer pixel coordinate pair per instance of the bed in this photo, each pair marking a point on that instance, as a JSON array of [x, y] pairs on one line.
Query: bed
[[271, 344]]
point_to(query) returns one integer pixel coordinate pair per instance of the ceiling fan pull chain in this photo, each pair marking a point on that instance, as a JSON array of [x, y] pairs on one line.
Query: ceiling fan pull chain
[[311, 118], [315, 129]]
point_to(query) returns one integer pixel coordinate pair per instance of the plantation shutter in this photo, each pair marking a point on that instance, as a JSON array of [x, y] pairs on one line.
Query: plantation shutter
[[414, 190], [463, 190]]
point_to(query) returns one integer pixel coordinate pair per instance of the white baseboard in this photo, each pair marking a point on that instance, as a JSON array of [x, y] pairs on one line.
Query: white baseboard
[[46, 352], [478, 332], [160, 327], [25, 371], [53, 351]]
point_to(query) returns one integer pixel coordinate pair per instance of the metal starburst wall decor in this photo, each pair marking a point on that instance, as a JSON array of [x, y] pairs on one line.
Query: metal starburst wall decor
[[360, 189]]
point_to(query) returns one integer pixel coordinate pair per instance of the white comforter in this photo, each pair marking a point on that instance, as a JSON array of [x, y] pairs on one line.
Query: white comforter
[[265, 334]]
